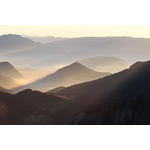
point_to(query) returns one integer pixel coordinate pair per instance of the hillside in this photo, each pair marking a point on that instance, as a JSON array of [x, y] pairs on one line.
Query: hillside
[[32, 107], [104, 64], [116, 87], [131, 112], [8, 70], [69, 75]]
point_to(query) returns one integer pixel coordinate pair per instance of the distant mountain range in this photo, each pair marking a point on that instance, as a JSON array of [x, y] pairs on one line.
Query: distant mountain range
[[128, 48], [25, 53], [69, 75], [104, 64], [44, 40]]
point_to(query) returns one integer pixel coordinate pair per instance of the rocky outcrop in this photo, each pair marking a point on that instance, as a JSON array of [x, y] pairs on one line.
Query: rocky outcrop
[[135, 112]]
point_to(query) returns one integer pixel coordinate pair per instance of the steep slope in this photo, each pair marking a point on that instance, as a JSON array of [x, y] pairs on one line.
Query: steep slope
[[117, 87], [101, 63], [72, 74], [33, 107], [8, 70], [131, 112]]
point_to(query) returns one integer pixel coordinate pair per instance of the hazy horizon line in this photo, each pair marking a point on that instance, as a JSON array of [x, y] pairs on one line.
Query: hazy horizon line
[[25, 35]]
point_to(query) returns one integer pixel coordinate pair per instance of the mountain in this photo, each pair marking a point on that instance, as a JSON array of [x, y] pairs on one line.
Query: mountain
[[130, 112], [8, 70], [9, 76], [13, 42], [128, 48], [114, 88], [55, 90], [103, 64], [25, 53], [35, 108], [69, 75], [44, 40]]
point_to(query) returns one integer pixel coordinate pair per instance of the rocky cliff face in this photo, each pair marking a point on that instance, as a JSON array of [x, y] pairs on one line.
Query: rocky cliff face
[[135, 112]]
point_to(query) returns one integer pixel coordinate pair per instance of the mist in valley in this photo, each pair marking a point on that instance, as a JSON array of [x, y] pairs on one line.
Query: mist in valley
[[82, 75]]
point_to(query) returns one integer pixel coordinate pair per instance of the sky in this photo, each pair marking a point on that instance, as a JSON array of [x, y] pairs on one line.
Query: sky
[[77, 30], [75, 18]]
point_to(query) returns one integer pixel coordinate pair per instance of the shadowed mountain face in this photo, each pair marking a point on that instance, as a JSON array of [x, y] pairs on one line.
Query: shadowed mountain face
[[133, 112], [9, 76], [72, 74], [117, 87], [8, 70], [33, 107], [104, 64]]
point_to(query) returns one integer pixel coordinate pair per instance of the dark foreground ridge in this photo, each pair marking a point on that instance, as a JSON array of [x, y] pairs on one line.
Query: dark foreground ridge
[[135, 112], [35, 108], [119, 99]]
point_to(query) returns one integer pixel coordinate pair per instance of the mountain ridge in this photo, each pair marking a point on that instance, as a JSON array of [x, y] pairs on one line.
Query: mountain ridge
[[69, 75], [116, 87]]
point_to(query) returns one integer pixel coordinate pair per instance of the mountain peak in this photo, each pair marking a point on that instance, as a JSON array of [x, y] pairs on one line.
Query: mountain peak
[[8, 70], [76, 64], [140, 65], [5, 64]]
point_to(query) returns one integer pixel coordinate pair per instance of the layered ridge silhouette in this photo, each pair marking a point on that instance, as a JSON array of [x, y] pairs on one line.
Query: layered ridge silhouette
[[69, 75], [116, 87], [104, 64]]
